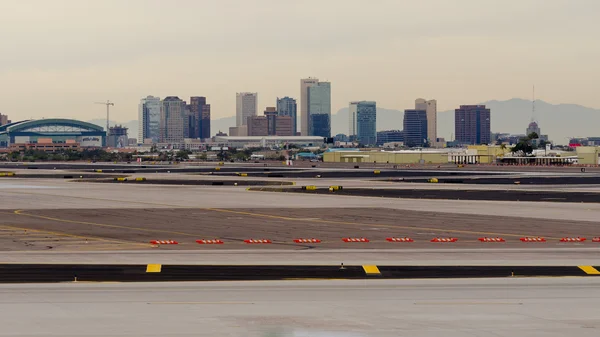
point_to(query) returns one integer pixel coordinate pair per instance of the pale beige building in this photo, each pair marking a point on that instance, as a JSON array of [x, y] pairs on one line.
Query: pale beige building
[[238, 131], [588, 155], [387, 157], [431, 111], [305, 83], [246, 106]]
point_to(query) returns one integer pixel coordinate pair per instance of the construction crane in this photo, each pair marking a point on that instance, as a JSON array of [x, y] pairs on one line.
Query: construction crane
[[108, 105]]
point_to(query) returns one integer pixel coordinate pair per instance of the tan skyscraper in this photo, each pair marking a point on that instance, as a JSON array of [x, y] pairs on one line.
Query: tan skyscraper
[[246, 106], [304, 120], [431, 108]]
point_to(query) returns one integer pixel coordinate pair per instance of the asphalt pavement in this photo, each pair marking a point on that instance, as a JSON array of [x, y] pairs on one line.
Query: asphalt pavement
[[365, 308]]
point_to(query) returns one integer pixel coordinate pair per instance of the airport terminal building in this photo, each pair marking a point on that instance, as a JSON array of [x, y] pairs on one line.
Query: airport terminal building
[[54, 131]]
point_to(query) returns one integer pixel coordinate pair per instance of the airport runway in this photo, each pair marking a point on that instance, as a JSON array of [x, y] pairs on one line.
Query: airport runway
[[366, 308]]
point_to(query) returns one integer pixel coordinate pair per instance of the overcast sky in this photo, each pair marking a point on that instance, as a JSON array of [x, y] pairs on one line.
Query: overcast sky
[[59, 56]]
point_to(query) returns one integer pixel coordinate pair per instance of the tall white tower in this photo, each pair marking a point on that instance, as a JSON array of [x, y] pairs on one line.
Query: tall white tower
[[305, 83], [431, 108], [246, 106]]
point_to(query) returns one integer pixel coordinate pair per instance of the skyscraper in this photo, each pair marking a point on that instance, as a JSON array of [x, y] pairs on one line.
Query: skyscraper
[[283, 126], [200, 118], [415, 128], [304, 120], [472, 124], [205, 122], [246, 106], [4, 119], [258, 126], [431, 108], [319, 109], [149, 119], [271, 114], [363, 122], [287, 107], [173, 120], [390, 136]]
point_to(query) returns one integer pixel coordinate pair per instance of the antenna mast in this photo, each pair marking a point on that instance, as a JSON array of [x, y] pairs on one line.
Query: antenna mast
[[533, 105]]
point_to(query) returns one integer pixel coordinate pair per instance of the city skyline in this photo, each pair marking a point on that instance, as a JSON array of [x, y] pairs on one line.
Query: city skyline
[[93, 57]]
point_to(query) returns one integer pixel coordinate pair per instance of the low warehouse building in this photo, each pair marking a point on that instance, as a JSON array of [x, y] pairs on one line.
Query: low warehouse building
[[391, 157]]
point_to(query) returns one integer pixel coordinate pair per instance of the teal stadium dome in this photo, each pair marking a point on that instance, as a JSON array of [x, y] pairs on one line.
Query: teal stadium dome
[[59, 130]]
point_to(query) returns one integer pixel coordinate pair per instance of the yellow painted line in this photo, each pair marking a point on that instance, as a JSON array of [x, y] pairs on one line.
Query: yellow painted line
[[590, 270], [367, 224], [371, 270], [73, 235], [20, 212], [153, 268]]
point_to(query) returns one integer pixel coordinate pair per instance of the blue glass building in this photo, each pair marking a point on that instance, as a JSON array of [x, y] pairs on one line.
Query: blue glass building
[[415, 128], [319, 109], [287, 106], [363, 122]]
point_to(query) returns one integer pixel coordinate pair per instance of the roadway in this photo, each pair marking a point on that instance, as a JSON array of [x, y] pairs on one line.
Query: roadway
[[574, 256], [365, 308]]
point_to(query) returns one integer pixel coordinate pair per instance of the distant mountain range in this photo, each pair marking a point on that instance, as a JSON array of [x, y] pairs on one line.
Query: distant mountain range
[[558, 121]]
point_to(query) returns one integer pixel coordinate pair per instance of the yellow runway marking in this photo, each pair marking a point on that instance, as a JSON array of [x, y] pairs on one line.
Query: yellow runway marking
[[367, 224], [371, 270], [83, 238], [21, 212], [154, 268], [590, 270]]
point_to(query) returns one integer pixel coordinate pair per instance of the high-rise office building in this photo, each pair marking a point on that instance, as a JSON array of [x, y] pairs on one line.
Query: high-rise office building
[[205, 122], [472, 124], [4, 119], [199, 118], [271, 114], [258, 126], [304, 119], [363, 122], [415, 128], [149, 120], [173, 120], [287, 106], [284, 126], [390, 136], [319, 109], [246, 106], [431, 108]]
